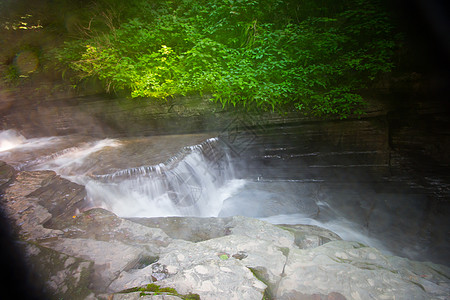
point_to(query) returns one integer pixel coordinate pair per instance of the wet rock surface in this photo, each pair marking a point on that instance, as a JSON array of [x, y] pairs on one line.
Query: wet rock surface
[[35, 198], [360, 272], [7, 174], [189, 229], [94, 254], [62, 276]]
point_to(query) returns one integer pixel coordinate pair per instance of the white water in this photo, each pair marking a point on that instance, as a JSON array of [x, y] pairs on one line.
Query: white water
[[198, 181], [191, 186], [74, 163], [195, 182], [11, 140]]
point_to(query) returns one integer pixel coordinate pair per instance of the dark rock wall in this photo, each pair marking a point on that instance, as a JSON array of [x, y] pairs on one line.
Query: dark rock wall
[[100, 116], [405, 133], [313, 149]]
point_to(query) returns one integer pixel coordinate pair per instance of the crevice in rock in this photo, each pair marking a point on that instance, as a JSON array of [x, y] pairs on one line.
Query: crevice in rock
[[439, 272], [269, 293], [310, 236], [285, 252], [145, 261], [418, 284]]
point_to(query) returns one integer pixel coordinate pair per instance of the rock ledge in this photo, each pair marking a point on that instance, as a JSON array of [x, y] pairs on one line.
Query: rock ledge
[[94, 254]]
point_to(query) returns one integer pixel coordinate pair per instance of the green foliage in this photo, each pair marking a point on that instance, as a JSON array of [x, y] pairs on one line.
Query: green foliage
[[223, 256], [154, 289], [265, 54], [10, 74]]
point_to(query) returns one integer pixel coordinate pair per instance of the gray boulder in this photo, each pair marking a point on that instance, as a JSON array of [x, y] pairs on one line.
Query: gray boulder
[[197, 268], [109, 258], [326, 267], [25, 212], [113, 244], [359, 272], [102, 225]]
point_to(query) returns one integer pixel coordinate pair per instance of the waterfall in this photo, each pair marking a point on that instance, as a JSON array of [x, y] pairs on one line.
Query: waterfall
[[125, 176], [194, 182]]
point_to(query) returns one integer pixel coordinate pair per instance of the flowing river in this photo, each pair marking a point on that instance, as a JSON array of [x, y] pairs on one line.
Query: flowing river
[[196, 175]]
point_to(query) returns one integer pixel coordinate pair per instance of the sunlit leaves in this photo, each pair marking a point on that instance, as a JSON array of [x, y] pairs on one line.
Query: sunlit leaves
[[25, 23], [243, 53]]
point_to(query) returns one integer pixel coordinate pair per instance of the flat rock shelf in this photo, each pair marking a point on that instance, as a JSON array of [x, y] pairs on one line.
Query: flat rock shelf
[[94, 254]]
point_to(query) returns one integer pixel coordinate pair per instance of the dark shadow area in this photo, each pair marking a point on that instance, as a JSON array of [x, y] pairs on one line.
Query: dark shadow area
[[19, 279]]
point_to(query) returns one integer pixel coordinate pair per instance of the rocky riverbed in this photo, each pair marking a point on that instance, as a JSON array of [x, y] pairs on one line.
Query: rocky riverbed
[[80, 253]]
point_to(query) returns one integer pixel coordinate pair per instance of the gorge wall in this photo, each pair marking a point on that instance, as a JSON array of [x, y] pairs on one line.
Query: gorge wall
[[404, 135]]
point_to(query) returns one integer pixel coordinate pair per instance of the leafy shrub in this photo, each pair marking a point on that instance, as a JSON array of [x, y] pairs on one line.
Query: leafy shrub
[[274, 55]]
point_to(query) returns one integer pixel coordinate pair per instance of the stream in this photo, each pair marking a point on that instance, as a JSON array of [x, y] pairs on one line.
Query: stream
[[196, 175]]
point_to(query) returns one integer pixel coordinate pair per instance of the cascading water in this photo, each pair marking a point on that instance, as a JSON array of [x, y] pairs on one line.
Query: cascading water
[[124, 176], [11, 140], [195, 182]]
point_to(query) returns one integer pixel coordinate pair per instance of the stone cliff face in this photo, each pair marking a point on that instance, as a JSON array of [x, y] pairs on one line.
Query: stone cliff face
[[399, 118]]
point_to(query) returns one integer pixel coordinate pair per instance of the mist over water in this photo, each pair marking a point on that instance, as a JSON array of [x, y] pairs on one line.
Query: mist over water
[[200, 180], [194, 182], [189, 184], [11, 140]]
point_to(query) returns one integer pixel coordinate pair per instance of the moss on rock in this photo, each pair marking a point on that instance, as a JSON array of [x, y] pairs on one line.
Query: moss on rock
[[154, 289]]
